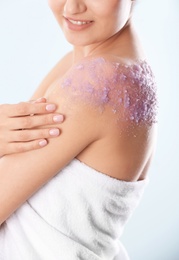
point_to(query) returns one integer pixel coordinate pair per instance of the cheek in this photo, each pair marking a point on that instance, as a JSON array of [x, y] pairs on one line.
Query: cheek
[[103, 9], [109, 14]]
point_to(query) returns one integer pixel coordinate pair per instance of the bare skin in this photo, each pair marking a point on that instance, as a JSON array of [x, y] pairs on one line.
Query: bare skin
[[18, 131], [15, 117], [101, 147]]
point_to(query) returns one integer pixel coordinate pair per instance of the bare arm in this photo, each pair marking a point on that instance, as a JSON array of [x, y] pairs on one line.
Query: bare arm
[[23, 174]]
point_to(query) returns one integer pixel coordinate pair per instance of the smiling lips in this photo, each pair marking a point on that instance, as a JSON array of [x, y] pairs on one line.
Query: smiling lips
[[77, 24]]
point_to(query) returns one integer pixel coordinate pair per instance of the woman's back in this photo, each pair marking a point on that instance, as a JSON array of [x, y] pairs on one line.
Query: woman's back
[[125, 96]]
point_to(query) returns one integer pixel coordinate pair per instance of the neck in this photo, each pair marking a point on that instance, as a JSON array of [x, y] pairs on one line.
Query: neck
[[116, 45]]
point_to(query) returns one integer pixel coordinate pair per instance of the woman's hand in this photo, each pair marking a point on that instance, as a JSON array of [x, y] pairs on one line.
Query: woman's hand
[[19, 126]]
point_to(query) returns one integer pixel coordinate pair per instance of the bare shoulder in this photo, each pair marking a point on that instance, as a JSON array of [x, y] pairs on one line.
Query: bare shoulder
[[125, 87]]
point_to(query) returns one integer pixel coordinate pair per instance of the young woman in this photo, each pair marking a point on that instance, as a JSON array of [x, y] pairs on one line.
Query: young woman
[[71, 199]]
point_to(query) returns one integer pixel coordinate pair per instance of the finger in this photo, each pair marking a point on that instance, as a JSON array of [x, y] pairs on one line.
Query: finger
[[25, 109], [26, 146], [29, 122], [30, 135], [39, 100]]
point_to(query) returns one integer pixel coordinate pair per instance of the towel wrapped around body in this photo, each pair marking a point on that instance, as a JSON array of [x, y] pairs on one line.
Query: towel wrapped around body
[[79, 214]]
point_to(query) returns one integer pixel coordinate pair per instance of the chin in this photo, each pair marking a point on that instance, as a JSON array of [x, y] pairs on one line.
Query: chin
[[79, 41], [82, 41]]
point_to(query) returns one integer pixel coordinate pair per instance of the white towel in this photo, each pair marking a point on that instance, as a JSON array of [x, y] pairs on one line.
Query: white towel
[[80, 214]]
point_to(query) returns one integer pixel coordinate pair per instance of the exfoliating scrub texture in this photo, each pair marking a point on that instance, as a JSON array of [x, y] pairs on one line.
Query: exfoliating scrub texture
[[129, 90]]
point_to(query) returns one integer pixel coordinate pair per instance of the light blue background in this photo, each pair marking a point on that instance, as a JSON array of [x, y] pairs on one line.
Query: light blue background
[[31, 43]]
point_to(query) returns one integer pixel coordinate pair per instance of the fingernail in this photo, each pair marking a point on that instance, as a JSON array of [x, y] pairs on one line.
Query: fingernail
[[50, 107], [43, 143], [54, 132], [58, 118]]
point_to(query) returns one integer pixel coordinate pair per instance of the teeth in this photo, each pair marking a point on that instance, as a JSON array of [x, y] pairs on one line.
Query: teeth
[[78, 22]]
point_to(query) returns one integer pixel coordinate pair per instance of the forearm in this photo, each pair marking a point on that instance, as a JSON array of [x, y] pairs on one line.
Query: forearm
[[23, 174]]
